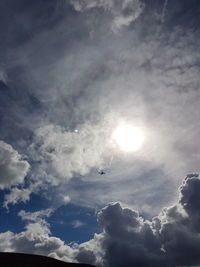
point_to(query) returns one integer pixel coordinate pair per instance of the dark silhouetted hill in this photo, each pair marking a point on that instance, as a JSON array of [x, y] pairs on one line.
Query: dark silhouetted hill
[[8, 259]]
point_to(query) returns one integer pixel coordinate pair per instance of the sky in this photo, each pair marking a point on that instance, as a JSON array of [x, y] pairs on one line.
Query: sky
[[72, 72]]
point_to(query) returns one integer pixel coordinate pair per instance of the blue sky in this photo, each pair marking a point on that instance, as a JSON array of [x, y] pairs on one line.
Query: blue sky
[[72, 72]]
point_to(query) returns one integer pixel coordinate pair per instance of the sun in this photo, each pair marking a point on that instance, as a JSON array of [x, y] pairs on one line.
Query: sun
[[128, 137]]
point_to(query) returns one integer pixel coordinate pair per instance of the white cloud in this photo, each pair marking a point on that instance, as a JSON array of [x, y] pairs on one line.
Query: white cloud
[[77, 224], [164, 11], [3, 76], [123, 13], [36, 216], [37, 223], [154, 83], [63, 154], [141, 77], [36, 239], [127, 239], [66, 199], [17, 195], [13, 169], [20, 194]]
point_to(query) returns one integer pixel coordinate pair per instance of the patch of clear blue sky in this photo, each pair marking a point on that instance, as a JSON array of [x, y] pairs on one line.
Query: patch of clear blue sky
[[61, 221]]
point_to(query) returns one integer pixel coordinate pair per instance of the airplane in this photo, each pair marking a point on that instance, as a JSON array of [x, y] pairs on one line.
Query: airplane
[[101, 172]]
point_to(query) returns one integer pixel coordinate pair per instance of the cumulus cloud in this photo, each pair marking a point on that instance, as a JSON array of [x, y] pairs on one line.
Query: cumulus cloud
[[13, 169], [180, 231], [127, 239], [37, 223], [123, 12], [36, 239], [35, 216], [22, 194], [170, 239], [60, 155], [63, 154], [17, 195]]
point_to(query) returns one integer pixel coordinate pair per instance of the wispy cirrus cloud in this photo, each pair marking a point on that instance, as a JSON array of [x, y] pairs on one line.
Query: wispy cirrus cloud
[[122, 13], [77, 224], [3, 76]]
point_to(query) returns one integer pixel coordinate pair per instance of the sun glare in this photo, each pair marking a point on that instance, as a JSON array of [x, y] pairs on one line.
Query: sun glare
[[128, 138]]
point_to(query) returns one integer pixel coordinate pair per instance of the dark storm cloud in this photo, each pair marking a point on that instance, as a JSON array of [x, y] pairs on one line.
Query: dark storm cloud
[[180, 229], [128, 240], [171, 239]]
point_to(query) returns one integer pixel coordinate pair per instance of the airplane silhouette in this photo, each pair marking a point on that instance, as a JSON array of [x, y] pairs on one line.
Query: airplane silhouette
[[101, 172]]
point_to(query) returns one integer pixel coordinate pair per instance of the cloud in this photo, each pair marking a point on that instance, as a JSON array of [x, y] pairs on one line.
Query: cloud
[[63, 154], [86, 256], [77, 224], [139, 75], [170, 239], [3, 76], [164, 11], [36, 239], [74, 82], [13, 169], [127, 239], [130, 78], [180, 225], [35, 216], [123, 13], [60, 155], [17, 195], [23, 194]]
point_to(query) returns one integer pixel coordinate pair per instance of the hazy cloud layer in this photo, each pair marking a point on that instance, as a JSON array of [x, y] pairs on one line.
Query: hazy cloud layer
[[106, 86], [71, 72]]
